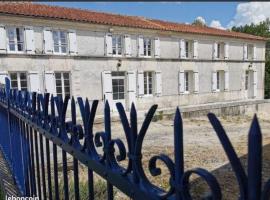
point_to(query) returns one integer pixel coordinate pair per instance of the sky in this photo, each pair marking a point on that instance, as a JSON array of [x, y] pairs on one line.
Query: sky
[[221, 15]]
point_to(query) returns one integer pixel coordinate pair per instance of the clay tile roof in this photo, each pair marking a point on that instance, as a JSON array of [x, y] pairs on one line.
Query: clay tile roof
[[71, 14]]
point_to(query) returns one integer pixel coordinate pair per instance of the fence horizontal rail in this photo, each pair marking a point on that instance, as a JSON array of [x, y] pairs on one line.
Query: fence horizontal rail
[[33, 123]]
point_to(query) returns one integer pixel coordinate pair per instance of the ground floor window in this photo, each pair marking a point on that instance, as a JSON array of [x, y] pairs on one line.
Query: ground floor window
[[62, 82], [18, 80], [148, 83], [220, 80], [246, 79], [188, 81], [118, 85]]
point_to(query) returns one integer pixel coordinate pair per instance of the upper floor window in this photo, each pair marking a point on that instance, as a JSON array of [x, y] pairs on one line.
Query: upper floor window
[[220, 50], [147, 47], [148, 83], [250, 48], [188, 49], [117, 45], [60, 43], [15, 39], [18, 80], [62, 84]]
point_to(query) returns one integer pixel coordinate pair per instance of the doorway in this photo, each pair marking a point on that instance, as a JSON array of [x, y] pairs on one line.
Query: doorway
[[118, 88]]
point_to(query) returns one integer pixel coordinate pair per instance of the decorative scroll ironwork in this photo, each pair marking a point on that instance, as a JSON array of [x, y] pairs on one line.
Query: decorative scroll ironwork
[[23, 115]]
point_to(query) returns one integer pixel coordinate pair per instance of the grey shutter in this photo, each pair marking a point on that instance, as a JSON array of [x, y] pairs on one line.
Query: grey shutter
[[50, 86], [214, 81], [3, 75], [196, 81], [255, 83], [140, 46], [3, 39], [131, 87], [140, 83], [108, 44], [157, 47], [29, 40], [47, 41], [254, 52], [127, 43], [158, 83], [195, 49], [215, 50], [226, 50], [181, 78], [226, 80], [34, 81], [72, 38], [182, 49], [245, 53]]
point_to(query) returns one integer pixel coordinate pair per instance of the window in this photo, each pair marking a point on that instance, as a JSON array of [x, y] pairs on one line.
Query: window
[[187, 81], [15, 39], [246, 79], [18, 80], [147, 47], [187, 49], [218, 50], [220, 80], [118, 84], [62, 80], [148, 83], [60, 42], [250, 51], [116, 45]]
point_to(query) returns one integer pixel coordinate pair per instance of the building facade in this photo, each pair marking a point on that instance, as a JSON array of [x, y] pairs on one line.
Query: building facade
[[69, 53]]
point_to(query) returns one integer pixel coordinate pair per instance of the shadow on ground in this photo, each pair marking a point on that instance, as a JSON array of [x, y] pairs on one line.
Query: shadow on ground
[[227, 179]]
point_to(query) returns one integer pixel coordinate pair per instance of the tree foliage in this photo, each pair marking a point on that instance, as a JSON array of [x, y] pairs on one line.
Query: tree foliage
[[261, 29]]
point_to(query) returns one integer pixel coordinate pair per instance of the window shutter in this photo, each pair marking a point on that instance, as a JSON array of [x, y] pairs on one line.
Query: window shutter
[[158, 83], [214, 81], [181, 82], [157, 47], [195, 49], [108, 44], [215, 50], [29, 40], [196, 81], [254, 52], [255, 82], [33, 78], [226, 50], [140, 46], [50, 82], [131, 87], [245, 52], [72, 37], [226, 87], [107, 87], [140, 83], [48, 41], [127, 41], [182, 48], [3, 75], [3, 39]]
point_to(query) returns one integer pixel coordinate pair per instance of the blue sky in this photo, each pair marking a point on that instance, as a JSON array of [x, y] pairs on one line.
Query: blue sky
[[223, 14]]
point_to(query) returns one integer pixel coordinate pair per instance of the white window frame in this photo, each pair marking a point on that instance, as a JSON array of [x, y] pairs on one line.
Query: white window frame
[[186, 82], [59, 44], [15, 39], [250, 49], [146, 47], [146, 83], [246, 80], [62, 83], [19, 87], [116, 45], [220, 81]]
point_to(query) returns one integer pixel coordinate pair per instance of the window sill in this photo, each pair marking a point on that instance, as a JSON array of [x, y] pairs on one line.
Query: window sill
[[148, 95], [16, 52]]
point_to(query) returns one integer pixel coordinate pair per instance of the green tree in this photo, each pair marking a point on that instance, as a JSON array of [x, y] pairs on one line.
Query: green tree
[[261, 29]]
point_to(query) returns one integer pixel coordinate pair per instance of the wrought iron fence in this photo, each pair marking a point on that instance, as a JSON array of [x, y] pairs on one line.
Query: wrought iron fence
[[27, 120]]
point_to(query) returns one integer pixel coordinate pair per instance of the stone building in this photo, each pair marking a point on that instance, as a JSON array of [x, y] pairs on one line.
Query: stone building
[[126, 59]]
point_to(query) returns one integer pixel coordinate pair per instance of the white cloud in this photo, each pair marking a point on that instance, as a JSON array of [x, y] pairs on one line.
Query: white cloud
[[246, 13], [201, 19], [216, 24]]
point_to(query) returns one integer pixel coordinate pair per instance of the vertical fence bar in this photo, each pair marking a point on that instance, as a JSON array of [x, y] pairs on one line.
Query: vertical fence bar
[[76, 179], [90, 184], [42, 166], [49, 168], [65, 175], [37, 164], [55, 170], [33, 173]]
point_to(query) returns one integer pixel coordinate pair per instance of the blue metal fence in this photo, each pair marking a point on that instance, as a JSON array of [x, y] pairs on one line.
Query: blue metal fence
[[27, 120]]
